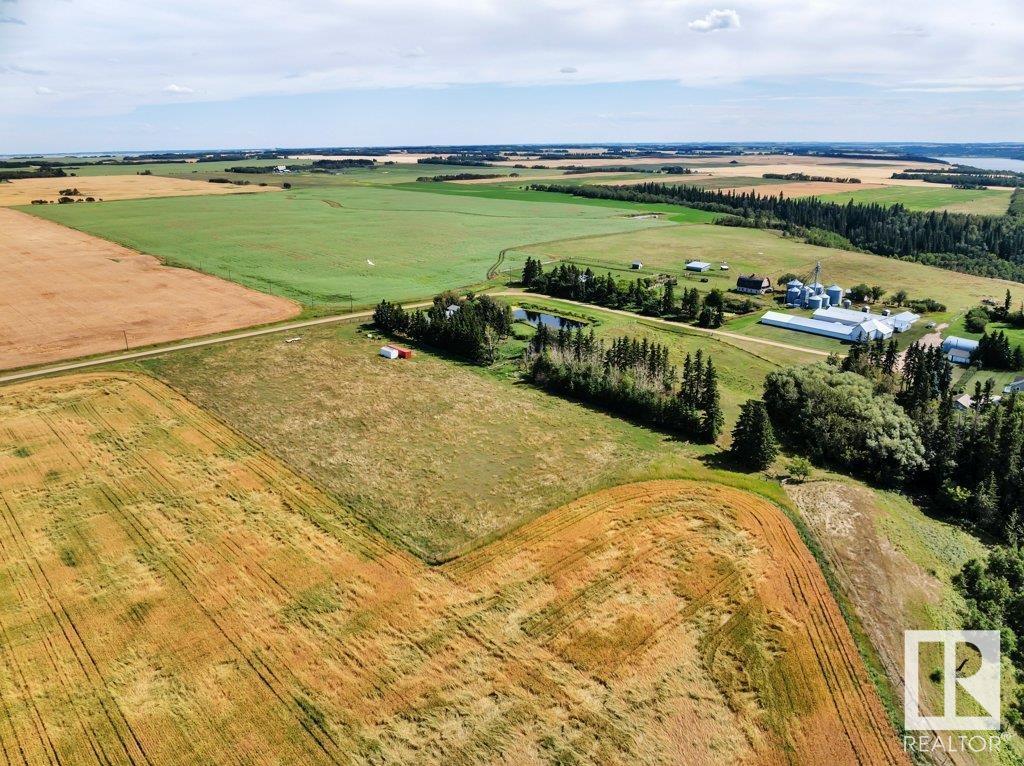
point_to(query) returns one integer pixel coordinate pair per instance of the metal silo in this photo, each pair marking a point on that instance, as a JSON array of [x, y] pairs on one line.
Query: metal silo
[[835, 295]]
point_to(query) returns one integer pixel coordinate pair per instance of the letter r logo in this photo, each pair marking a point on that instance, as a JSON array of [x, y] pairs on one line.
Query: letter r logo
[[982, 685]]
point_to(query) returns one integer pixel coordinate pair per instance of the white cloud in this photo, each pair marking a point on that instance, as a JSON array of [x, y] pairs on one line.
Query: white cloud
[[716, 19], [42, 90], [114, 56], [6, 19]]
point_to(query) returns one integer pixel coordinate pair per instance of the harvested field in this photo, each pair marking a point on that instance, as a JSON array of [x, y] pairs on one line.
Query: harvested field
[[66, 294], [115, 187], [171, 595]]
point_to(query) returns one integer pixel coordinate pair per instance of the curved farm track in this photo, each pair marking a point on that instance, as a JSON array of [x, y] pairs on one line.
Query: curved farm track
[[172, 594]]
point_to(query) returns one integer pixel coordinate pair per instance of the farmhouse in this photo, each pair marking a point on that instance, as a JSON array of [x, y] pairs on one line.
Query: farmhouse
[[1014, 388], [754, 285], [966, 402], [698, 266], [959, 350]]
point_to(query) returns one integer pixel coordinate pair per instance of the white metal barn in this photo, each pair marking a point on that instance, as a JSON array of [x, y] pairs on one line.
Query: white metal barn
[[698, 266]]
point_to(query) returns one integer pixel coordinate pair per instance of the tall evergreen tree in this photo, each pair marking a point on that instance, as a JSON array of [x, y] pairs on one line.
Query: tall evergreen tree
[[753, 439]]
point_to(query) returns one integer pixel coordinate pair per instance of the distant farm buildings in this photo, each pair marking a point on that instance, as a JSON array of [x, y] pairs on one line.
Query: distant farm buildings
[[959, 350], [636, 265], [698, 266], [753, 285]]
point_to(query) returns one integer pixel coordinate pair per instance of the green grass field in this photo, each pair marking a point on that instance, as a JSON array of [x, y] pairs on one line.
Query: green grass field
[[323, 245], [977, 201]]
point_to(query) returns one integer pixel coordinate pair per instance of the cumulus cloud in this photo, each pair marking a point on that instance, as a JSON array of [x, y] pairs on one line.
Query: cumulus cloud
[[6, 19], [725, 18], [104, 56], [42, 90]]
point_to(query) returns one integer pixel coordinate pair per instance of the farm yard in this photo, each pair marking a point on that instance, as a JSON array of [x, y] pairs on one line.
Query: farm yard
[[67, 294], [764, 252], [644, 623]]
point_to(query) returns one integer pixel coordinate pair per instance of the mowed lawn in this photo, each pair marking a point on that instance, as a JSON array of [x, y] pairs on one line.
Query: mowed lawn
[[332, 245], [977, 201]]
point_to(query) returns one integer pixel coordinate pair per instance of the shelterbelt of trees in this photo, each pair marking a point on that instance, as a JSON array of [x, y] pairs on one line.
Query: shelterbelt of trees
[[473, 329], [986, 245], [629, 377], [645, 295]]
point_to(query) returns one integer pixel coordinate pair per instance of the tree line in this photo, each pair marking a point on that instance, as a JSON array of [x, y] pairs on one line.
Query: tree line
[[900, 427], [471, 327], [987, 245], [806, 177], [630, 377], [644, 295]]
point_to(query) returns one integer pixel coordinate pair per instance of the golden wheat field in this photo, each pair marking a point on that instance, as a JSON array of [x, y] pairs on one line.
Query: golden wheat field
[[170, 594]]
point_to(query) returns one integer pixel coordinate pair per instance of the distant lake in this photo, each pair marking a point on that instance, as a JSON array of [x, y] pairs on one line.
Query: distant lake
[[987, 163]]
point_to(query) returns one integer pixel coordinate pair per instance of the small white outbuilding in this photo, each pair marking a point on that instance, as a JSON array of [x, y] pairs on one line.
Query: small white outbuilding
[[389, 353]]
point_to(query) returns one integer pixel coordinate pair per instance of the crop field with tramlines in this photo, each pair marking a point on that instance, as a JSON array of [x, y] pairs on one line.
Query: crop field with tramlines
[[171, 594]]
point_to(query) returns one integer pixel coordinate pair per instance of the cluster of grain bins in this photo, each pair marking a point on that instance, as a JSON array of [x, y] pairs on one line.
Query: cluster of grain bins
[[814, 295], [395, 352]]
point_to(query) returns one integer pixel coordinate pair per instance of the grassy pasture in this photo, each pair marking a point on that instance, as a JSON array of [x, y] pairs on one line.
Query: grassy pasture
[[476, 452], [325, 245], [171, 594], [977, 201]]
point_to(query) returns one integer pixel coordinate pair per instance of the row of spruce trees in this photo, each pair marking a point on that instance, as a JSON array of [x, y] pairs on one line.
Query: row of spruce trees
[[630, 377], [644, 295]]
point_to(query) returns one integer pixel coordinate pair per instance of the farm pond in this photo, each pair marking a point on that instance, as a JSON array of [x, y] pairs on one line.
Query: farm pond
[[537, 318]]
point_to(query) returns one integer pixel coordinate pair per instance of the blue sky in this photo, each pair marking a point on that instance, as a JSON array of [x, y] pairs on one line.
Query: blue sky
[[92, 75]]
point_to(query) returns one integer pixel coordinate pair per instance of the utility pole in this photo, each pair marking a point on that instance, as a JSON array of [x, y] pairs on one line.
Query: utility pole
[[125, 333]]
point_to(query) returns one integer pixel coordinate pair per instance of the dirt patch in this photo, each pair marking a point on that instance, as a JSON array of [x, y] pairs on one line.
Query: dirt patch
[[66, 294], [179, 597], [881, 580], [22, 192]]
